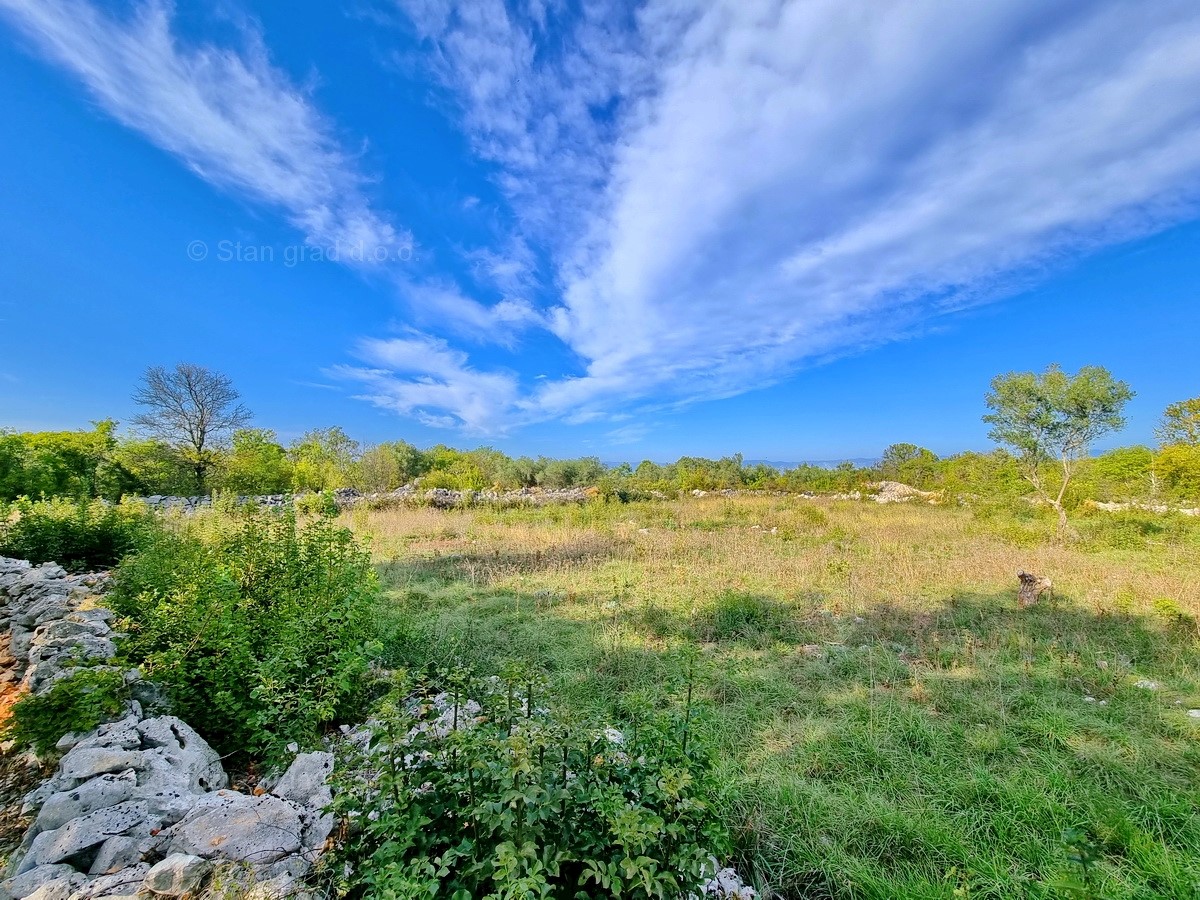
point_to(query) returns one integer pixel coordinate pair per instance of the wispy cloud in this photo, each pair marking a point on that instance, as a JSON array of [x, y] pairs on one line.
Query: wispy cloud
[[421, 376], [755, 186], [228, 113]]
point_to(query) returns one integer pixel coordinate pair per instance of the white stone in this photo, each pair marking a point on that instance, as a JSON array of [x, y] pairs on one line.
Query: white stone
[[178, 875], [233, 826], [26, 883]]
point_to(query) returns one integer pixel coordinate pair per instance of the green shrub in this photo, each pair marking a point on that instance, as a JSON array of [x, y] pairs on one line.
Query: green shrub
[[499, 799], [1136, 529], [316, 503], [257, 627], [735, 615], [77, 703], [82, 536]]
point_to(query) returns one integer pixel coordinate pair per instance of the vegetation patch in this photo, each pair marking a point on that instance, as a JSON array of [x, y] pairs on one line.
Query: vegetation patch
[[77, 703], [81, 536], [453, 796], [258, 626], [882, 718]]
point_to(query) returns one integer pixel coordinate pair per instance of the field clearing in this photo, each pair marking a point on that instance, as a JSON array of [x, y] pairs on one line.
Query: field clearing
[[889, 724]]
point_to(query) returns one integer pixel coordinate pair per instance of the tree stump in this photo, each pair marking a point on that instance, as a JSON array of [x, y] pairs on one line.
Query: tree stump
[[1032, 588]]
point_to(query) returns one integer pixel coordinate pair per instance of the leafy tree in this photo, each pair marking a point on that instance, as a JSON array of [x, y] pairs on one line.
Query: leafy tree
[[324, 459], [1126, 473], [57, 463], [1054, 416], [910, 464], [191, 408], [1180, 423], [12, 470], [994, 474], [518, 473], [257, 464], [153, 467], [1178, 469]]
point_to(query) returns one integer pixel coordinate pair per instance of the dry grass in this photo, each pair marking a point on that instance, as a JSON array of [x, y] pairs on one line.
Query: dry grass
[[845, 557], [888, 722]]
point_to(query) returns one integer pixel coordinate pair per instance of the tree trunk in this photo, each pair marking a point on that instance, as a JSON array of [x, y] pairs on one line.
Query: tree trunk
[[1065, 532], [1032, 588]]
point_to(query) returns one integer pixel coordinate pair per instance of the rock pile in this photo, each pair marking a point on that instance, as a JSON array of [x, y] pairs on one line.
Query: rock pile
[[141, 804], [1160, 508], [897, 492]]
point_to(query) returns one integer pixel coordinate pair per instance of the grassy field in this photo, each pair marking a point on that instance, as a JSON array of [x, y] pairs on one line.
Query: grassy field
[[887, 721]]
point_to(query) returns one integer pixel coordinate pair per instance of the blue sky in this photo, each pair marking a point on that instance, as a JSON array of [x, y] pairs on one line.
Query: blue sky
[[799, 231]]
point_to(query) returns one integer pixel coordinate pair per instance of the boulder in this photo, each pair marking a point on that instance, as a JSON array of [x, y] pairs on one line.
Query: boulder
[[233, 826], [306, 780], [118, 853], [125, 882], [98, 793], [178, 875], [306, 783], [26, 883], [78, 835], [59, 889]]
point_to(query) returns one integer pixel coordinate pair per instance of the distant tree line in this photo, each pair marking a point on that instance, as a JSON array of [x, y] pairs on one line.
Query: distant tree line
[[194, 438]]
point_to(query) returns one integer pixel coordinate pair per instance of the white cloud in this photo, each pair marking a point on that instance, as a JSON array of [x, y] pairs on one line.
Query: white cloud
[[421, 376], [726, 190], [758, 185], [230, 115], [443, 304]]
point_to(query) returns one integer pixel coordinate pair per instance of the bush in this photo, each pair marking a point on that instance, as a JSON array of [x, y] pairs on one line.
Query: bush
[[83, 536], [476, 792], [316, 503], [740, 616], [257, 627], [1136, 529], [77, 703]]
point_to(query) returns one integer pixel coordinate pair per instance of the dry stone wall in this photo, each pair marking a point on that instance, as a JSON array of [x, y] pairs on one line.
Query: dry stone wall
[[142, 804], [412, 494]]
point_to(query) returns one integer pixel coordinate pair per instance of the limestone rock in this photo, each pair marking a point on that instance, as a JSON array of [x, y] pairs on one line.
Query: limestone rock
[[229, 825], [26, 883], [84, 833], [177, 875], [125, 882], [306, 780], [59, 889], [99, 793]]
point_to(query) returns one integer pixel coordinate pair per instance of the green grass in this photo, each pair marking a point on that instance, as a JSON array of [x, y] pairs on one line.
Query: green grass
[[888, 723]]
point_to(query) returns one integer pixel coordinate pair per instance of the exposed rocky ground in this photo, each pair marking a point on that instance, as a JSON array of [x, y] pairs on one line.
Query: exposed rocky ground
[[1161, 508], [141, 804]]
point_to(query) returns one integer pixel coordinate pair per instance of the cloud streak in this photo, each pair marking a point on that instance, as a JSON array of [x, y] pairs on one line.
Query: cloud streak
[[759, 185], [708, 195], [229, 114]]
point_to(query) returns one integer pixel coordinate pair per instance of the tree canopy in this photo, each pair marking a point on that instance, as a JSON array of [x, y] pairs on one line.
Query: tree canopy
[[192, 409], [1055, 416]]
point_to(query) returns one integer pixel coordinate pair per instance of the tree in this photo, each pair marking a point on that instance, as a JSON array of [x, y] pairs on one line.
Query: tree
[[57, 463], [191, 408], [1054, 416], [257, 464], [909, 463], [324, 459], [1180, 424]]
